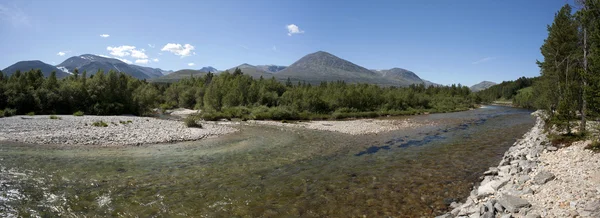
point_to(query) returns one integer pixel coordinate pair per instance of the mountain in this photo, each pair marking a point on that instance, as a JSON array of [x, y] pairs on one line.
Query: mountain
[[209, 69], [322, 66], [482, 86], [93, 63], [178, 75], [24, 66], [402, 76], [271, 68], [253, 71]]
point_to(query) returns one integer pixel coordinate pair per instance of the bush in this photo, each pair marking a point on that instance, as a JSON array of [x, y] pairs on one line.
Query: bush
[[567, 139], [78, 114], [54, 117], [191, 122], [214, 116], [31, 114], [100, 123], [594, 146], [237, 112], [275, 113], [125, 122]]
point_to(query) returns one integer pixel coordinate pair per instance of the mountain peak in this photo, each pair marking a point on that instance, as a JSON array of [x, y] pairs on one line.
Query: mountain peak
[[483, 85]]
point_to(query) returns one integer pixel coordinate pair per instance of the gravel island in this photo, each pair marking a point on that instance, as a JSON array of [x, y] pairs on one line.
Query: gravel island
[[121, 130]]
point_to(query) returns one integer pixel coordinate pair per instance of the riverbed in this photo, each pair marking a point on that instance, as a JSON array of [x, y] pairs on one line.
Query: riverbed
[[266, 171]]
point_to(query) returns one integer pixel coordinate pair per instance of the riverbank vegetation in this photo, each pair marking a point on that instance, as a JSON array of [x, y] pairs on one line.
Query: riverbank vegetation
[[569, 84], [222, 96]]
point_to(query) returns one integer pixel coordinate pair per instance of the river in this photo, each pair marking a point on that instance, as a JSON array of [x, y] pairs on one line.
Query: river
[[265, 171]]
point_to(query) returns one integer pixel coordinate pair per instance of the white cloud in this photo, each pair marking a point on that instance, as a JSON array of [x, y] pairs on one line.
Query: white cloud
[[104, 56], [191, 64], [486, 59], [151, 45], [142, 61], [155, 59], [127, 50], [62, 53], [104, 35], [179, 50], [14, 15], [139, 54], [293, 29], [123, 59]]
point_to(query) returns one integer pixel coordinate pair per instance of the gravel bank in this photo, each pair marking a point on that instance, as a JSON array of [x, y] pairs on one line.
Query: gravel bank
[[535, 179], [352, 127], [74, 130]]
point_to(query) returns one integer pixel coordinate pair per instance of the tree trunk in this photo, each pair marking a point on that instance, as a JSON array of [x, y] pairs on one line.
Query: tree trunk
[[583, 78]]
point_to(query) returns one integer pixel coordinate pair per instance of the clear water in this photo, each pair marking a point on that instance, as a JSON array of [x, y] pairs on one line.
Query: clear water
[[265, 172]]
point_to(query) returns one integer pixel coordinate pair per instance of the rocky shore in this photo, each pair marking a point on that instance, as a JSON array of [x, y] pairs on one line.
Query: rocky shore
[[121, 130], [352, 127], [536, 179]]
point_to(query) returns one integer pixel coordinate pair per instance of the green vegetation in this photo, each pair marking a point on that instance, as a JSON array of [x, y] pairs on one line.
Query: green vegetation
[[125, 122], [192, 122], [78, 113], [594, 146], [567, 139], [54, 117], [31, 114], [100, 123], [569, 84], [223, 96]]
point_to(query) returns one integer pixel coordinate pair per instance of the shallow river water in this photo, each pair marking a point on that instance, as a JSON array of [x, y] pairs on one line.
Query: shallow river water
[[264, 171]]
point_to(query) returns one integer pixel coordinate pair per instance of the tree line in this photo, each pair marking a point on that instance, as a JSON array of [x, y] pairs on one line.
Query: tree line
[[223, 95]]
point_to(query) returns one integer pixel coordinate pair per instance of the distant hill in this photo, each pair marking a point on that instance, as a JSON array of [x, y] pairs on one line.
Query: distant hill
[[482, 86], [93, 63], [253, 71], [271, 68], [322, 66], [24, 66], [402, 77], [209, 69], [178, 75]]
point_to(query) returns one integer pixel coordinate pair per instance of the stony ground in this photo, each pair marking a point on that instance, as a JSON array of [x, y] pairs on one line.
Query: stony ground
[[121, 130], [536, 179], [352, 127]]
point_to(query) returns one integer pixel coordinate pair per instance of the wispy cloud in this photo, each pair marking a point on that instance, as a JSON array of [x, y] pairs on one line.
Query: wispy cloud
[[62, 53], [104, 35], [179, 50], [155, 59], [191, 64], [151, 45], [244, 47], [293, 29], [483, 60], [142, 61], [14, 15]]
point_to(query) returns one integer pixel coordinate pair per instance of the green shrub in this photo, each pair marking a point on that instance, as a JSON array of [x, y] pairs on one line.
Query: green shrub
[[275, 113], [192, 122], [237, 112], [100, 123], [125, 122], [7, 112], [594, 146], [566, 139], [31, 114], [166, 106], [54, 117], [214, 116], [78, 113]]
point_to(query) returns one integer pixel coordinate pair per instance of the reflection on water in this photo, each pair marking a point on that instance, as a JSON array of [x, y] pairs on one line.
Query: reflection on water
[[265, 172]]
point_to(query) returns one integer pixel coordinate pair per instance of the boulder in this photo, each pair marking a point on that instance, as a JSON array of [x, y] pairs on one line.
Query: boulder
[[513, 203], [551, 148], [543, 177]]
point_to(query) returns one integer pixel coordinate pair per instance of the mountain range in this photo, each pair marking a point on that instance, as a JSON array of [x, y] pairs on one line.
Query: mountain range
[[482, 86], [313, 68]]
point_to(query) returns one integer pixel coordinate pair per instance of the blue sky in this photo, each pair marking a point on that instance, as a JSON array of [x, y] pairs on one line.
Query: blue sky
[[464, 41]]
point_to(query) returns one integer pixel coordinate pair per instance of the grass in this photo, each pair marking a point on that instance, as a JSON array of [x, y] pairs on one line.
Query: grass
[[54, 117], [191, 122], [78, 114], [594, 146], [125, 122], [100, 123], [566, 139], [31, 114]]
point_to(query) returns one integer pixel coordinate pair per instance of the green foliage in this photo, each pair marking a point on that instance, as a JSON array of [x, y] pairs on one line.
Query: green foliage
[[78, 114], [505, 90], [8, 112], [31, 114], [524, 98], [100, 123], [567, 139], [125, 122], [54, 117], [192, 122], [594, 146]]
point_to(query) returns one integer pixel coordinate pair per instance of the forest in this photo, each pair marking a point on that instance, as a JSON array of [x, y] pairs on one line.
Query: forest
[[221, 96]]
